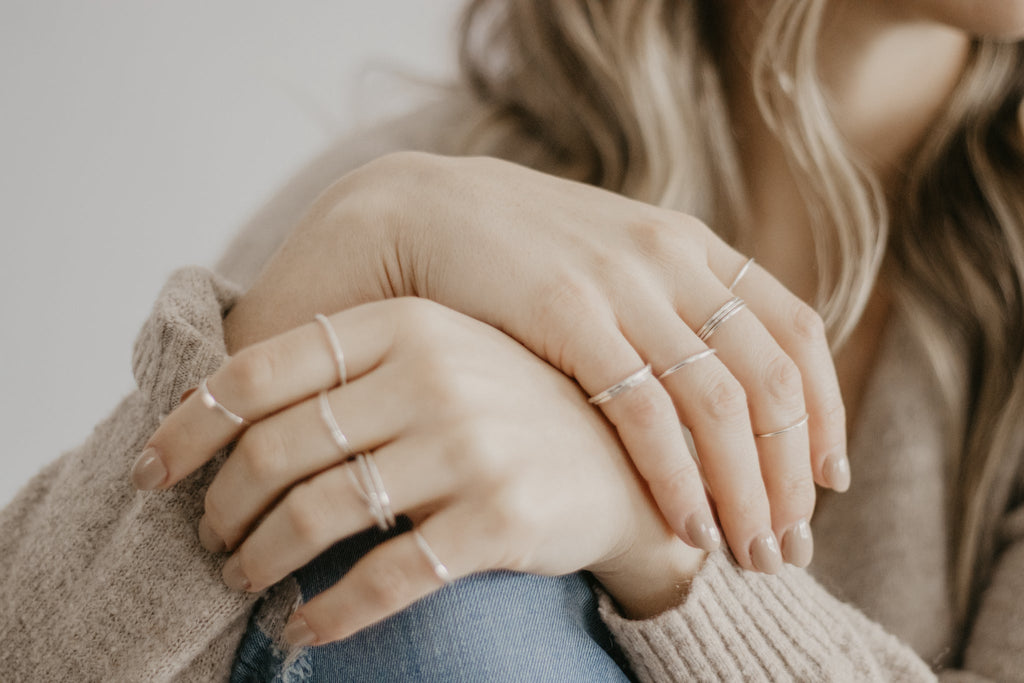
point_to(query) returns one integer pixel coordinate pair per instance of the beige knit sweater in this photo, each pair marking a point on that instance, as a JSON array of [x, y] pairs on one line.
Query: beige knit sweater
[[102, 583]]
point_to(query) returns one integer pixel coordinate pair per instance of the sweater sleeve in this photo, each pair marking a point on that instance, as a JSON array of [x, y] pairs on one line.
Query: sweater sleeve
[[737, 625], [98, 581]]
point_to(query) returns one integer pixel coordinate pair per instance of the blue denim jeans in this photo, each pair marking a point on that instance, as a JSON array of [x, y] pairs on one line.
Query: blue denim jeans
[[496, 626]]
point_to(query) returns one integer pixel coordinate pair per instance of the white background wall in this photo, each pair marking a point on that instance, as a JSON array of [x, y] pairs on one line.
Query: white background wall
[[135, 137]]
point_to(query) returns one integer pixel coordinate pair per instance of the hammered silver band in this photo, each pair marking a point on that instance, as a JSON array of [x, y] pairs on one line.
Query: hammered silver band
[[726, 311], [440, 570], [739, 275], [701, 355], [796, 425], [634, 380], [332, 340], [210, 402]]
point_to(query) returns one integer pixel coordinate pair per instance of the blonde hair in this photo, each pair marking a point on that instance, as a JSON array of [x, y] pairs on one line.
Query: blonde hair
[[627, 95]]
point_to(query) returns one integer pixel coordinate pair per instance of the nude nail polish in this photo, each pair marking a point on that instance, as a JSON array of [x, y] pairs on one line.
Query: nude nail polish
[[764, 553], [208, 539], [701, 529], [837, 473], [298, 633], [149, 471], [798, 544], [233, 575]]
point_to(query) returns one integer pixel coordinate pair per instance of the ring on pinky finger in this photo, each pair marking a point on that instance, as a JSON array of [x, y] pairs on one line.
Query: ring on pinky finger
[[388, 579], [435, 563]]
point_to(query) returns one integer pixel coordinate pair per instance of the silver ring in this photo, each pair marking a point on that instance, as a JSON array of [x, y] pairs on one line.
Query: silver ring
[[435, 563], [686, 361], [726, 311], [327, 415], [634, 380], [332, 339], [739, 275], [371, 489], [796, 425], [210, 402]]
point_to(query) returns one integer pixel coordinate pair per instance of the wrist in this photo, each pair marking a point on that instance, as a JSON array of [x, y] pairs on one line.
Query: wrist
[[647, 585]]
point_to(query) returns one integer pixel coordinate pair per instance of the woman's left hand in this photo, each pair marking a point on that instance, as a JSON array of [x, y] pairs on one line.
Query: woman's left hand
[[494, 455]]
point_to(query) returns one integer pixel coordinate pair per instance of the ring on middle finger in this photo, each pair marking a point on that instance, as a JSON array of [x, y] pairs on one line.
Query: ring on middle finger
[[700, 355], [370, 486], [725, 311], [327, 415]]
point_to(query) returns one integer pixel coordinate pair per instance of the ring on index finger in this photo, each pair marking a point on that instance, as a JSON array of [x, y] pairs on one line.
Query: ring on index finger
[[327, 415], [332, 339], [210, 402], [634, 380]]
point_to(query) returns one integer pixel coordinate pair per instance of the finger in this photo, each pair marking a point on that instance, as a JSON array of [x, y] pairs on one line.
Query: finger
[[329, 507], [389, 578], [800, 332], [600, 357], [772, 384], [712, 404], [297, 442], [262, 379]]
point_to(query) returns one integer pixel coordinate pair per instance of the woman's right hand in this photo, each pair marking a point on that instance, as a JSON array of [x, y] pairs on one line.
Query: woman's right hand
[[597, 285]]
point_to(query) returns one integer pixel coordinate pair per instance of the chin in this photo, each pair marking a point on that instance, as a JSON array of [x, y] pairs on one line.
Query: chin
[[999, 19]]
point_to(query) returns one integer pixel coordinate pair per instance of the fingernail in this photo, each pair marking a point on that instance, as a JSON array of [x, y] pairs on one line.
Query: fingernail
[[764, 553], [703, 532], [837, 473], [149, 471], [209, 539], [233, 576], [298, 633], [798, 544], [185, 394]]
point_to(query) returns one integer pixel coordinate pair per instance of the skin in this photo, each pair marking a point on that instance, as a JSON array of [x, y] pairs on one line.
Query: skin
[[887, 72]]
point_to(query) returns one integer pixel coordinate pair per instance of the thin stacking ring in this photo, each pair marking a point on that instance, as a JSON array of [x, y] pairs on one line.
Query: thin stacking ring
[[332, 339], [727, 310], [371, 489], [634, 380], [210, 402], [327, 415], [686, 361], [739, 275], [796, 425], [435, 563]]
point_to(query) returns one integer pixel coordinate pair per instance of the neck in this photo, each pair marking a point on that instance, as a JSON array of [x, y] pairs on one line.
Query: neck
[[886, 77]]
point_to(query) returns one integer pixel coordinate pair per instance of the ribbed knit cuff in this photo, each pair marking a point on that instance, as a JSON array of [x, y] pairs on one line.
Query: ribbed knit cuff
[[737, 625], [183, 339]]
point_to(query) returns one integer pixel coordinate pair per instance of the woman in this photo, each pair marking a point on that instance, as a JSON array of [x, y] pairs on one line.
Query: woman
[[883, 140]]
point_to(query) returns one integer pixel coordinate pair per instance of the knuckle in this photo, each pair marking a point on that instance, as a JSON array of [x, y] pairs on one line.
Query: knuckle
[[474, 455], [515, 517], [723, 399], [262, 451], [565, 299], [388, 587], [676, 484], [252, 371], [647, 408], [808, 324], [416, 315], [783, 381], [305, 519]]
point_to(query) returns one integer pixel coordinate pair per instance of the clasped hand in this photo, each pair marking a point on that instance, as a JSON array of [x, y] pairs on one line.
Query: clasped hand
[[483, 445]]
